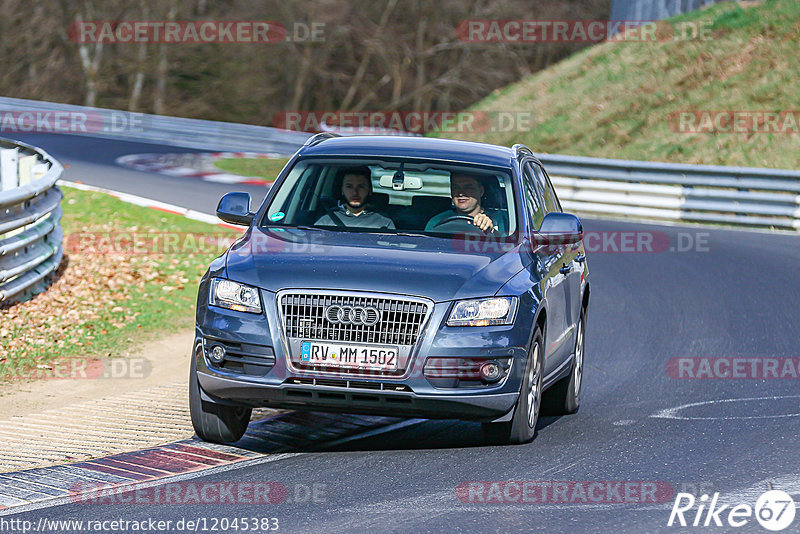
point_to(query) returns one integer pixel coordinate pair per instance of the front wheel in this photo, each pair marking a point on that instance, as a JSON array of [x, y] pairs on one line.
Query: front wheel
[[522, 427], [213, 422]]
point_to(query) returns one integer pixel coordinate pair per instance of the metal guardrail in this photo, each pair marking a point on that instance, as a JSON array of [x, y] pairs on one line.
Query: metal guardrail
[[158, 129], [654, 9], [735, 196], [30, 212]]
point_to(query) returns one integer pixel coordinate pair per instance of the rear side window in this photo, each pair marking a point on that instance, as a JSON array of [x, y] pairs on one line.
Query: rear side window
[[550, 200], [532, 198]]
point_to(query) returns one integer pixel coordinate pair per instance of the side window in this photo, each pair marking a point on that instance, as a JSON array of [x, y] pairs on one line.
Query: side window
[[552, 189], [532, 197], [550, 201]]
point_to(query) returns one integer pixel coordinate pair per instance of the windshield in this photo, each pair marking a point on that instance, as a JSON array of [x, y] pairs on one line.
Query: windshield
[[397, 196]]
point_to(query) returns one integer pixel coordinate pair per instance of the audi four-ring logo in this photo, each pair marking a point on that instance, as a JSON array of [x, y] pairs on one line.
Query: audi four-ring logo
[[357, 315]]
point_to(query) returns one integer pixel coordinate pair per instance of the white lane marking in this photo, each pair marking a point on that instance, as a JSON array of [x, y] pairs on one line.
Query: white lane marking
[[672, 413], [223, 178], [148, 203]]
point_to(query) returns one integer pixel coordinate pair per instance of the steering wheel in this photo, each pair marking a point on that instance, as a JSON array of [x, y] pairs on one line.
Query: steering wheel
[[456, 224]]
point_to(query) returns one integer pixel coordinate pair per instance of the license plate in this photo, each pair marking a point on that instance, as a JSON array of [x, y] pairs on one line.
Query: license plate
[[349, 355]]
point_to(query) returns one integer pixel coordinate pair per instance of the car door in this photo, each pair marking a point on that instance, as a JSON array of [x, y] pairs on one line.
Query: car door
[[571, 267], [576, 254], [549, 264]]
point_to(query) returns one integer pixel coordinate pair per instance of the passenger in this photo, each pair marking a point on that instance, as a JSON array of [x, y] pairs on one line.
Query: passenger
[[356, 191], [466, 192]]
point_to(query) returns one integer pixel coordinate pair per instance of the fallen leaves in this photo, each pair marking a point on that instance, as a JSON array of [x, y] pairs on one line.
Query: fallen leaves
[[92, 294]]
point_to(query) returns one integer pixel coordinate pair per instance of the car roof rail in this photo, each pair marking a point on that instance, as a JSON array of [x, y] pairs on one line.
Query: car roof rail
[[320, 137], [520, 150]]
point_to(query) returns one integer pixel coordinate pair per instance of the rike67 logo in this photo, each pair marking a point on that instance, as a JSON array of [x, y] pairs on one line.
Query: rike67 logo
[[774, 510]]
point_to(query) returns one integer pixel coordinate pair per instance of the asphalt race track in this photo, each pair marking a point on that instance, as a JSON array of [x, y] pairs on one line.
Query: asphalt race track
[[92, 161], [735, 294]]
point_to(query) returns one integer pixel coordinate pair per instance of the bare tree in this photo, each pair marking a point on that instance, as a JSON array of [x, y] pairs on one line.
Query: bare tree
[[90, 54], [159, 100], [375, 55], [141, 56]]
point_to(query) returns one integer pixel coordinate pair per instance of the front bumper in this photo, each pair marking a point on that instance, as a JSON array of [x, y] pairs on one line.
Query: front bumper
[[356, 400], [265, 379]]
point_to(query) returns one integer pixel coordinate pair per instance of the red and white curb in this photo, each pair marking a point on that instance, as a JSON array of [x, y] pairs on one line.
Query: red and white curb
[[106, 479], [153, 204], [46, 483], [194, 165]]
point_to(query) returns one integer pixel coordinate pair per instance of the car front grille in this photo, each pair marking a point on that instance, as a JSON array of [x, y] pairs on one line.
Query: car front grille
[[401, 319]]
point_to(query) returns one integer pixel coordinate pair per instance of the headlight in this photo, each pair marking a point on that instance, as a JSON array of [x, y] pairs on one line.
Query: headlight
[[483, 312], [234, 296]]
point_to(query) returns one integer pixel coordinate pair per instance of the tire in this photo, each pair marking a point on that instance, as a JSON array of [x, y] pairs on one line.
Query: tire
[[565, 396], [213, 422], [522, 427]]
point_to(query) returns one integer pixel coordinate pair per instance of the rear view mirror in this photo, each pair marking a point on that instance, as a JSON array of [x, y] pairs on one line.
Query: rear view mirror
[[234, 208], [559, 229], [402, 183]]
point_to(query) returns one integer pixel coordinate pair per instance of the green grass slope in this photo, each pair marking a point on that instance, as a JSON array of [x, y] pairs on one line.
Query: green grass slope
[[619, 99]]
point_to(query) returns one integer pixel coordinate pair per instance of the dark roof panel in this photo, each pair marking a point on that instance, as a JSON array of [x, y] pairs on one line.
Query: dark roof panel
[[416, 147]]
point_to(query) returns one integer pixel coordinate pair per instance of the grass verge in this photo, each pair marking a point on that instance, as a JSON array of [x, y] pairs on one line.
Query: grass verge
[[130, 273], [620, 99]]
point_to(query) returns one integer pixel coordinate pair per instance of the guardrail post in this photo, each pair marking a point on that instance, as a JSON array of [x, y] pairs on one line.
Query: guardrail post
[[8, 169], [38, 170], [26, 164]]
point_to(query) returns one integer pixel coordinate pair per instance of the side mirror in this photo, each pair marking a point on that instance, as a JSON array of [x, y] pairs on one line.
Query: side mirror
[[234, 208], [559, 229]]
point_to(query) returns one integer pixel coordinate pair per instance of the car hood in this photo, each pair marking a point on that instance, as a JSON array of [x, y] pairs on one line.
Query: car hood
[[436, 268]]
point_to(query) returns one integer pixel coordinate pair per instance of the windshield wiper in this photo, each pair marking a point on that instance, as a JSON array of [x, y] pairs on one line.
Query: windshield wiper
[[386, 231], [305, 227], [411, 234]]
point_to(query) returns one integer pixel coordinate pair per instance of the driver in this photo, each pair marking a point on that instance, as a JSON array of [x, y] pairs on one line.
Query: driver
[[467, 191], [356, 190]]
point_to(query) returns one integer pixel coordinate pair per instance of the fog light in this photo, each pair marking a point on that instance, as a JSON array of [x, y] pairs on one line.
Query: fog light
[[491, 372], [217, 353]]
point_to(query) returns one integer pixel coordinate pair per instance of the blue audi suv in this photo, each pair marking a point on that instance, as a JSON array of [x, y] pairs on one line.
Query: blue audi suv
[[400, 276]]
